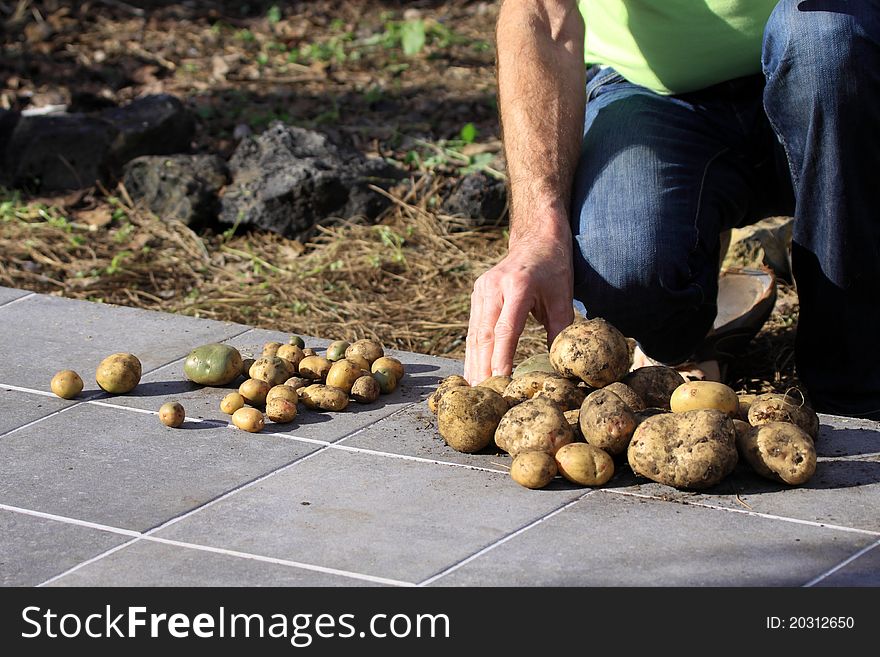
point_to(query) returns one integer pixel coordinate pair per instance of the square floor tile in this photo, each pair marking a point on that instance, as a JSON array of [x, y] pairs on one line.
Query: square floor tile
[[8, 294], [864, 570], [19, 408]]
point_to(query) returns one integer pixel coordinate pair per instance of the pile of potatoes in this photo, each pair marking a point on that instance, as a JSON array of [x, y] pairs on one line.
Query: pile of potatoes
[[581, 408]]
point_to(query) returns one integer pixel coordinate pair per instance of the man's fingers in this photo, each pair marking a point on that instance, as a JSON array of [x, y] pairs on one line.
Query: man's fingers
[[471, 355], [508, 328]]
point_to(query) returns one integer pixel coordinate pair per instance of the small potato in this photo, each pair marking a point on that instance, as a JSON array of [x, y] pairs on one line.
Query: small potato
[[314, 367], [271, 348], [654, 384], [246, 366], [453, 381], [780, 451], [584, 464], [297, 382], [249, 419], [336, 350], [271, 369], [67, 384], [573, 419], [696, 395], [533, 469], [342, 374], [308, 351], [627, 394], [282, 392], [389, 363], [773, 407], [386, 380], [292, 354], [323, 397], [254, 391], [280, 409], [298, 341], [607, 422], [118, 373], [593, 351], [365, 389], [468, 416], [496, 383], [369, 349], [171, 414], [534, 425], [232, 402]]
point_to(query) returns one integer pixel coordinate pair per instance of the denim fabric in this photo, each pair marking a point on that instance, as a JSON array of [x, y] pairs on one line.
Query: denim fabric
[[661, 176]]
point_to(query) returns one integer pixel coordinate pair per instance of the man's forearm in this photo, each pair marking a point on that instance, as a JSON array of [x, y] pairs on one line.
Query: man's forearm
[[541, 81]]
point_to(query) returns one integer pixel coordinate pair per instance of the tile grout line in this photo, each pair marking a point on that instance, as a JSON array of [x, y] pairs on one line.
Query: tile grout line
[[17, 299], [407, 457], [75, 404], [842, 564], [503, 540]]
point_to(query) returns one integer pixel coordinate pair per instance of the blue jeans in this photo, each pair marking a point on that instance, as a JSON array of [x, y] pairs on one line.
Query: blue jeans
[[660, 177]]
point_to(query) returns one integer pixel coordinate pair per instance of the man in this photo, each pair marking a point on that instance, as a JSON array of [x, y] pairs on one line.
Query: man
[[701, 115]]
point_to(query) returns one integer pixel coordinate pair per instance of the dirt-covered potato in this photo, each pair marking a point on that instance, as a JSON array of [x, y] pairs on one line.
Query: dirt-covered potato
[[271, 369], [593, 351], [773, 407], [536, 424], [533, 469], [314, 367], [386, 380], [525, 386], [365, 389], [292, 354], [297, 382], [281, 409], [171, 414], [388, 363], [271, 348], [537, 363], [323, 397], [745, 403], [607, 422], [246, 366], [232, 402], [213, 364], [118, 373], [254, 391], [654, 384], [308, 351], [690, 450], [249, 419], [342, 374], [497, 383], [336, 350], [780, 451], [696, 395], [564, 392], [369, 349], [573, 419], [282, 392], [468, 416], [584, 464], [453, 381], [627, 394], [67, 384]]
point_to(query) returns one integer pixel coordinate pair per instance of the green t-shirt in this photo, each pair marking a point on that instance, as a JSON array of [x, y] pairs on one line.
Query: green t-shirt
[[675, 46]]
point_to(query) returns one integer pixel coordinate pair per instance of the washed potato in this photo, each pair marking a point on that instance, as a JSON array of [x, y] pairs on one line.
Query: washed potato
[[607, 422], [695, 395], [314, 367], [214, 364], [171, 414], [536, 424], [468, 416], [298, 341], [386, 380], [254, 391], [249, 419], [292, 354], [654, 384], [593, 351], [336, 350], [232, 402], [118, 373], [533, 469], [282, 392], [271, 369], [496, 383], [365, 389], [773, 407], [537, 363], [271, 348], [453, 381], [281, 409], [342, 374], [584, 464], [690, 450], [67, 384], [780, 451], [389, 363], [323, 397], [369, 349], [629, 396]]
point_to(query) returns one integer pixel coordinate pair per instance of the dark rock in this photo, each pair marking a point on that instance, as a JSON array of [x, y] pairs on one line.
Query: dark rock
[[478, 199], [289, 179], [8, 121], [182, 187]]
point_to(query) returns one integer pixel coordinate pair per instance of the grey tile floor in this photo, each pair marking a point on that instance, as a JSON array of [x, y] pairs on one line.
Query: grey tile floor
[[95, 491]]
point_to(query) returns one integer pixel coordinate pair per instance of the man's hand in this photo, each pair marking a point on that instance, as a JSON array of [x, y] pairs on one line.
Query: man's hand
[[533, 277]]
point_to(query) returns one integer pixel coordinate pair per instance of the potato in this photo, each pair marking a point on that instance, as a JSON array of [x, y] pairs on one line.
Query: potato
[[171, 414], [533, 469], [584, 464], [627, 394], [314, 367], [308, 351], [386, 380], [573, 419], [254, 391], [271, 369], [298, 341], [593, 351], [527, 386], [695, 395], [607, 422], [537, 363], [214, 364], [232, 402], [246, 366], [389, 363], [280, 409], [369, 349], [780, 451], [365, 389], [342, 374], [297, 382], [118, 373], [443, 387], [690, 450], [654, 384], [248, 419], [67, 384], [282, 392], [292, 354], [323, 397], [773, 407], [496, 383], [336, 350], [467, 417], [534, 425], [360, 361], [564, 392], [271, 348], [745, 403]]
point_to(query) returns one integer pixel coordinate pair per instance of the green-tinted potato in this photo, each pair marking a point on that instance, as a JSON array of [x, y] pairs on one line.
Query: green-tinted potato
[[336, 350], [298, 341], [213, 364]]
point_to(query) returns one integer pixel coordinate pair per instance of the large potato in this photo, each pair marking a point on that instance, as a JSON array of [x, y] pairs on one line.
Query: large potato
[[342, 374], [607, 422], [563, 392], [773, 407], [690, 450], [537, 424], [654, 384], [453, 381], [213, 364], [323, 397], [315, 368], [369, 349], [779, 451], [118, 373], [584, 464], [695, 395], [468, 416], [533, 469], [271, 369], [593, 351]]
